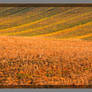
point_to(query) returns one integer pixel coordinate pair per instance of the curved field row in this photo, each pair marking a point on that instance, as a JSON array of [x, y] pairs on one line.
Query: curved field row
[[25, 18], [20, 19], [23, 27], [46, 21], [74, 32], [54, 26], [30, 16], [84, 36], [88, 38], [43, 20]]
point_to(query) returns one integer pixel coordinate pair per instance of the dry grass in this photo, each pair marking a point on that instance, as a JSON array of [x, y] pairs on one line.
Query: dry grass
[[43, 61]]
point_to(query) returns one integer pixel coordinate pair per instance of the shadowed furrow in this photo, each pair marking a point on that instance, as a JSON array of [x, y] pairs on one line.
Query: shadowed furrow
[[46, 21]]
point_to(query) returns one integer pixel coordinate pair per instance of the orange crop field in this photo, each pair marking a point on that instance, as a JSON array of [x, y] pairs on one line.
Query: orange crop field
[[43, 61], [50, 47]]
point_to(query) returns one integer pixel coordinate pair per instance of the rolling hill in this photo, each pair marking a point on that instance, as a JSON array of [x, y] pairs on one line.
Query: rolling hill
[[58, 22], [46, 46]]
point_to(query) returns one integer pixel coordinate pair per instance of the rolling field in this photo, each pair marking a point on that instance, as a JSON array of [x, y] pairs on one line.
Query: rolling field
[[55, 22], [46, 46], [56, 62]]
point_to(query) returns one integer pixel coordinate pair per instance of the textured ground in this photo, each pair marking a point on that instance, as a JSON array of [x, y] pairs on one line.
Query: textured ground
[[43, 61]]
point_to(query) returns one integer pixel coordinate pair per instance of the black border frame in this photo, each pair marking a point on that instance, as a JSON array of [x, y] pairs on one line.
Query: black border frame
[[45, 5]]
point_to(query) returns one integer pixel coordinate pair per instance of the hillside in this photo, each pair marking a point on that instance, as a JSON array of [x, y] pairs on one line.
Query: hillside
[[57, 22], [46, 46]]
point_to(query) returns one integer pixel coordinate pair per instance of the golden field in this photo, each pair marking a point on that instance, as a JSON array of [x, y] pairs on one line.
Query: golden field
[[56, 62], [46, 46]]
